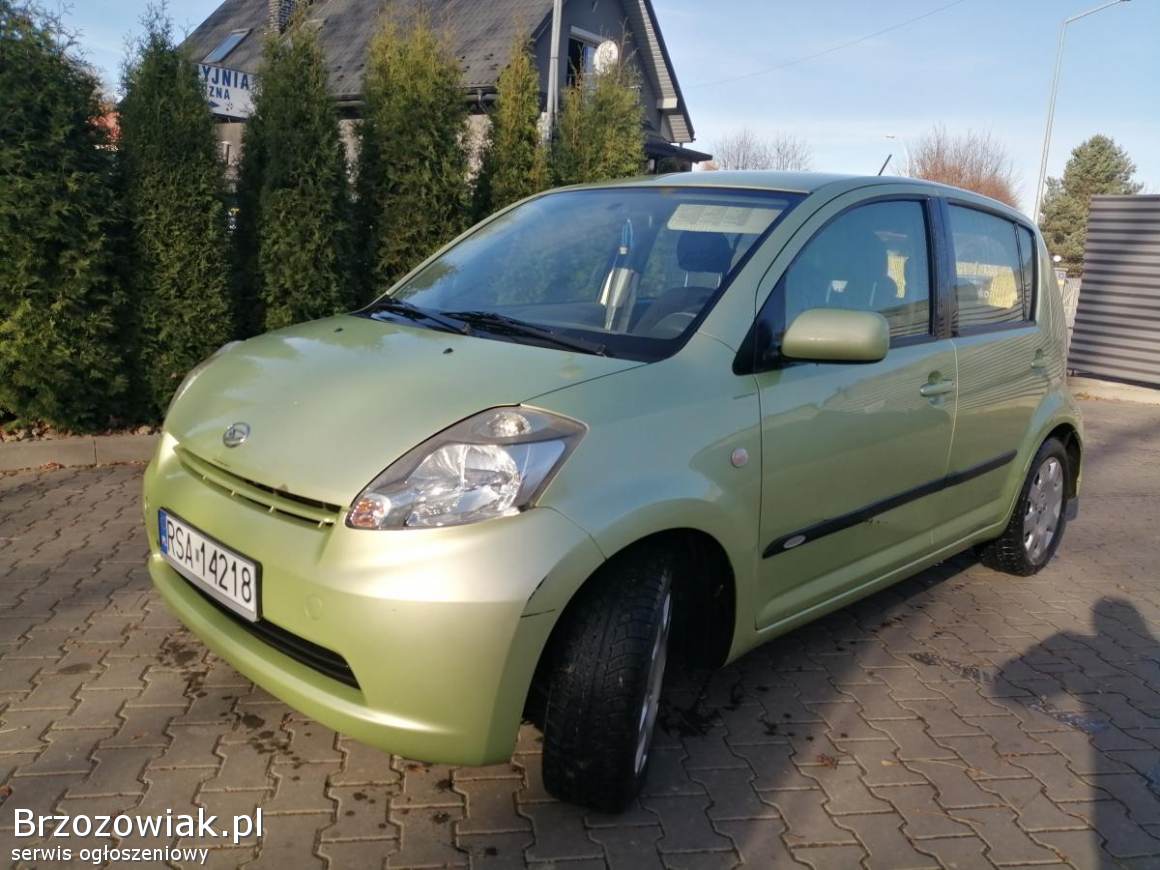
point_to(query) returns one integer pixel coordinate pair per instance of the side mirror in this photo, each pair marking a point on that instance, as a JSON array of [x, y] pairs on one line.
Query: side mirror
[[837, 335]]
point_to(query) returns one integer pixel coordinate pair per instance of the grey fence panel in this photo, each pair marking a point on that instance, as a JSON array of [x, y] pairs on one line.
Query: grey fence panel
[[1117, 320]]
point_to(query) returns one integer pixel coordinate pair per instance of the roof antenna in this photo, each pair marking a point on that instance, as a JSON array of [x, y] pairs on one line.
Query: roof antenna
[[885, 163]]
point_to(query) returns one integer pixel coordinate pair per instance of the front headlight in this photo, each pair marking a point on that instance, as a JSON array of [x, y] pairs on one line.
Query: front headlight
[[490, 465]]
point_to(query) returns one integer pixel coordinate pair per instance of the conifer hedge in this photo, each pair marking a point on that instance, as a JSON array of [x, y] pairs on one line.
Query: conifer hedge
[[412, 188], [174, 194], [599, 136], [515, 161], [294, 224], [61, 302]]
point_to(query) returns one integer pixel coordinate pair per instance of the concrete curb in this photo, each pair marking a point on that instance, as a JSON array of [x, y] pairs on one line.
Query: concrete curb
[[82, 451], [1112, 391]]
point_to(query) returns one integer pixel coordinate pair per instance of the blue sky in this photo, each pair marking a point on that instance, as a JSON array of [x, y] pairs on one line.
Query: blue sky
[[982, 64]]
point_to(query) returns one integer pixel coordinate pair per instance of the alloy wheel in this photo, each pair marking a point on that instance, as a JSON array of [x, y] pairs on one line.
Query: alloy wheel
[[1044, 509], [656, 678]]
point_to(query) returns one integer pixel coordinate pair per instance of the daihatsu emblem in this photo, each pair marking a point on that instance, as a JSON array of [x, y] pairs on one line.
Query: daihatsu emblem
[[236, 434]]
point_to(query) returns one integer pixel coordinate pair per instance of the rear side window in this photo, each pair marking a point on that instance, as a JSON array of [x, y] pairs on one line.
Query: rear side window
[[872, 258], [992, 281]]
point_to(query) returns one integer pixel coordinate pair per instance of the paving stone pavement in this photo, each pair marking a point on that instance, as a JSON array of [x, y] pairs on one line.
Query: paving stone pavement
[[960, 719]]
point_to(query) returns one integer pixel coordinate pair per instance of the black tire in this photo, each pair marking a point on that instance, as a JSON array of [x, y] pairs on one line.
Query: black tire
[[1010, 552], [598, 681]]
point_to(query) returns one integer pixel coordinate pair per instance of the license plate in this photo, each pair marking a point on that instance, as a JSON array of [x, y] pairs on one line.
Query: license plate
[[229, 577]]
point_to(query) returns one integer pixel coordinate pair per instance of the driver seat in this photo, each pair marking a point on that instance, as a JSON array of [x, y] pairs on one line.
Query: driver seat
[[706, 253]]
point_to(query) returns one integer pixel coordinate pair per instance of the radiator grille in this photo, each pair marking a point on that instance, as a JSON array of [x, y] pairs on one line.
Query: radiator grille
[[276, 501]]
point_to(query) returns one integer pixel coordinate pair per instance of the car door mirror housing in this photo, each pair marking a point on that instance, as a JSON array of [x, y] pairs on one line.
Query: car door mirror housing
[[837, 335]]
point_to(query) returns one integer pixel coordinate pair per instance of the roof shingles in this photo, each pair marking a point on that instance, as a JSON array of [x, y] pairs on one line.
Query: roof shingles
[[481, 31]]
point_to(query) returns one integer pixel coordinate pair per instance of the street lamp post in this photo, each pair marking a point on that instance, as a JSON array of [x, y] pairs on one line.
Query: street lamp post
[[1051, 101]]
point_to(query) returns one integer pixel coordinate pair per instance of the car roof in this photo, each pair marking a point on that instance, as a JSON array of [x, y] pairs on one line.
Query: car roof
[[792, 182], [808, 183]]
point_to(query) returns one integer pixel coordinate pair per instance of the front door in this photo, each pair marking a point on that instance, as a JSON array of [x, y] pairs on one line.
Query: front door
[[850, 452]]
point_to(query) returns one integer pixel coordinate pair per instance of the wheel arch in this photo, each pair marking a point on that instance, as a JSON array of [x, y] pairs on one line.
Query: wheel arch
[[705, 583], [1068, 435]]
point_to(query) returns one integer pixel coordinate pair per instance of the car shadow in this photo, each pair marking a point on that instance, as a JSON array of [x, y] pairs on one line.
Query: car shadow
[[935, 701]]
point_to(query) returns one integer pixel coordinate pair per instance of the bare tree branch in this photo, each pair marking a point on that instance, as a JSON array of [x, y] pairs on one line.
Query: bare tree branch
[[974, 161], [743, 149]]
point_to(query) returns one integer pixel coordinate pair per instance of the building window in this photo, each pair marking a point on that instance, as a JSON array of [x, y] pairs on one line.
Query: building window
[[232, 41], [581, 59]]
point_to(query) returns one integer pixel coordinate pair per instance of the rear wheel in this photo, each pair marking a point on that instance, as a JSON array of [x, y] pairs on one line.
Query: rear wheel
[[604, 682], [1036, 527]]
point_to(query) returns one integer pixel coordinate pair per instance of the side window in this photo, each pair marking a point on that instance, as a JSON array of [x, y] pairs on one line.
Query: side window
[[990, 282], [872, 258], [1027, 257]]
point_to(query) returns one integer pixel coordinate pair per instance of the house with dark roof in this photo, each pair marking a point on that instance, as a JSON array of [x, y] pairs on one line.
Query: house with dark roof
[[228, 48]]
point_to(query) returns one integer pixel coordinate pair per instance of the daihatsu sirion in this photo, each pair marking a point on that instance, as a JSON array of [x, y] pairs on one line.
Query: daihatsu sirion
[[610, 424]]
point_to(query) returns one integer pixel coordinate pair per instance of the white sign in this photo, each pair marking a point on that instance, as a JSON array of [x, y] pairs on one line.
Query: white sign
[[229, 92], [694, 218]]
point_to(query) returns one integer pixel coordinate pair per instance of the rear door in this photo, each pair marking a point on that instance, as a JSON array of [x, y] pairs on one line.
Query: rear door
[[1002, 360], [850, 450]]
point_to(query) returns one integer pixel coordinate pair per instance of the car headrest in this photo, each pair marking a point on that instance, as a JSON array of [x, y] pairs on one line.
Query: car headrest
[[704, 252]]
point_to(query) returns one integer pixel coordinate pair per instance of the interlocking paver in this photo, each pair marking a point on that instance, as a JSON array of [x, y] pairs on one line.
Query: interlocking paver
[[959, 719], [806, 821], [759, 843], [1034, 811], [922, 814], [290, 841], [497, 851], [831, 857], [732, 794], [491, 807], [630, 848], [846, 793], [953, 786], [885, 844], [361, 813], [1006, 843], [560, 834], [686, 825], [301, 788], [1123, 837]]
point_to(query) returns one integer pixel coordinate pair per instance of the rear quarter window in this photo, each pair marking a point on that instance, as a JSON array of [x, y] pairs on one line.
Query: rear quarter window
[[992, 279]]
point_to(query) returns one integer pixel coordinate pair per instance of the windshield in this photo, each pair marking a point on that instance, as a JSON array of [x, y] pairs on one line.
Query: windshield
[[623, 271]]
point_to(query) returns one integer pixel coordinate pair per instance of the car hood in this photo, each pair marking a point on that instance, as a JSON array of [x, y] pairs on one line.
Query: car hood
[[333, 402]]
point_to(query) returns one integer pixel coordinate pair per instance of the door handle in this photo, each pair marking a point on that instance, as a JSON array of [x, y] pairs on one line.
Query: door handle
[[937, 388]]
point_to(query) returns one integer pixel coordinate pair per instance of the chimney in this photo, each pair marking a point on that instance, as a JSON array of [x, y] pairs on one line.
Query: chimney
[[280, 12]]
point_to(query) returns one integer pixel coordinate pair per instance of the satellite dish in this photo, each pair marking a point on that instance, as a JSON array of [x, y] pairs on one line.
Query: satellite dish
[[607, 56]]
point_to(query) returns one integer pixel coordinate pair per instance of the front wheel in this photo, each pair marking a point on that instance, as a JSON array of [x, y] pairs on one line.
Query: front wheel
[[1032, 536], [604, 684]]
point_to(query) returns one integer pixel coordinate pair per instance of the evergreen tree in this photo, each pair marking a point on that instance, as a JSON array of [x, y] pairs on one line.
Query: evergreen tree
[[515, 162], [1097, 166], [174, 195], [599, 135], [412, 171], [61, 305], [292, 240]]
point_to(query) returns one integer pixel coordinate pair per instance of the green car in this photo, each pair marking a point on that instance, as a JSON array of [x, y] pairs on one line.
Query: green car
[[674, 416]]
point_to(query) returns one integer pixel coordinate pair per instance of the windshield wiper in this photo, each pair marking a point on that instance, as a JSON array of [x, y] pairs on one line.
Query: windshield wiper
[[414, 312], [501, 323]]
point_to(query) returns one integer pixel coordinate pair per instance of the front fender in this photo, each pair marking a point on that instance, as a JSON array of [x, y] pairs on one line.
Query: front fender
[[672, 445]]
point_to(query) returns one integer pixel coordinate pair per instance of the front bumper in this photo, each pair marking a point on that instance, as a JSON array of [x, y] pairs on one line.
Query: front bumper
[[442, 628]]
